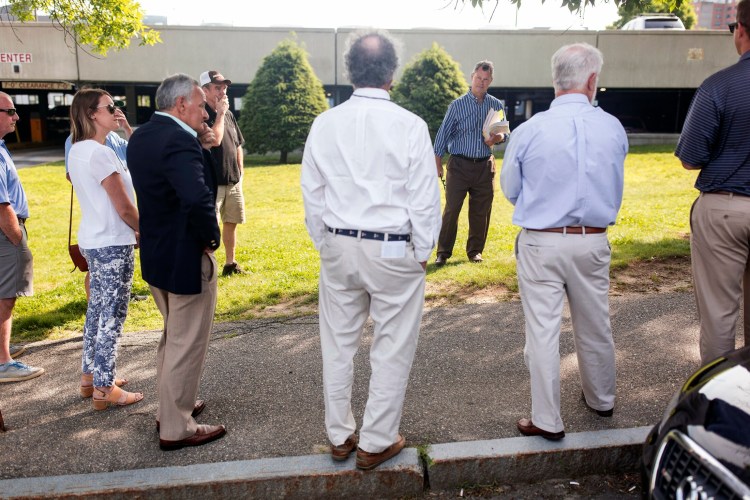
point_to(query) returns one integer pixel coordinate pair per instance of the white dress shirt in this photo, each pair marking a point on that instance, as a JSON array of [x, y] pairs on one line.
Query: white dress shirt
[[369, 165]]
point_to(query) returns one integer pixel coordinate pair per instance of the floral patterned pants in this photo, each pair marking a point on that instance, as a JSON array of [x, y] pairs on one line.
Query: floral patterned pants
[[111, 271]]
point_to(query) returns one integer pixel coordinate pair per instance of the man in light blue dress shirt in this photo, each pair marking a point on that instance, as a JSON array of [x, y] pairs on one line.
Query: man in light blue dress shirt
[[563, 171], [16, 261]]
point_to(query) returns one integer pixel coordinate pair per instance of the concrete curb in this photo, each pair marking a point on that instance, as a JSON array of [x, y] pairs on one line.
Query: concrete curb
[[523, 459], [317, 476]]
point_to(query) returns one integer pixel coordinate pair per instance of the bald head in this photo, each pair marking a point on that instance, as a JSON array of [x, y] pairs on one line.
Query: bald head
[[371, 59]]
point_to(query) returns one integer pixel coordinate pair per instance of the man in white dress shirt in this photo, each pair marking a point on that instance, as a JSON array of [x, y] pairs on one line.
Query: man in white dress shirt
[[563, 171], [372, 209]]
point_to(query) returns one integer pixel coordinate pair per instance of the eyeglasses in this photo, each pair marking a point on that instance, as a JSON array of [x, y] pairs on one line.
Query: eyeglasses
[[10, 111], [110, 107], [732, 26]]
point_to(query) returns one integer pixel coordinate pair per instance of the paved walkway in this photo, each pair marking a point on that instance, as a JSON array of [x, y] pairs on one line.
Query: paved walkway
[[263, 381], [34, 157]]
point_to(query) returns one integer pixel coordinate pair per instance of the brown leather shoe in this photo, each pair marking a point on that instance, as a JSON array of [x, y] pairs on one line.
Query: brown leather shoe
[[204, 434], [200, 405], [368, 461], [341, 452], [527, 428]]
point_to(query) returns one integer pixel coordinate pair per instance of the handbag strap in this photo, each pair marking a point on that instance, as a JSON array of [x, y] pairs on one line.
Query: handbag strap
[[70, 219]]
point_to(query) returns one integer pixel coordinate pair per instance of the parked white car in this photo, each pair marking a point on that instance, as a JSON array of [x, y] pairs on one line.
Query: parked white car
[[654, 21]]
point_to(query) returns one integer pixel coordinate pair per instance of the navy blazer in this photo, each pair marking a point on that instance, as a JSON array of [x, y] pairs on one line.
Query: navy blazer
[[176, 193]]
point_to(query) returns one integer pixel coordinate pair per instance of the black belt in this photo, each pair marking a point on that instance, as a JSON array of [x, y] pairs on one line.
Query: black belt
[[21, 220], [469, 158], [370, 235], [726, 192], [572, 230]]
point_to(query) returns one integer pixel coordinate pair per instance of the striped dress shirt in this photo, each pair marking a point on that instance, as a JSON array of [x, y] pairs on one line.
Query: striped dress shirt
[[716, 134], [461, 130]]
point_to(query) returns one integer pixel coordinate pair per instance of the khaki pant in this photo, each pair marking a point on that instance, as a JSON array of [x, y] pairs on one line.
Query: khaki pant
[[551, 266], [720, 254], [355, 282], [188, 320]]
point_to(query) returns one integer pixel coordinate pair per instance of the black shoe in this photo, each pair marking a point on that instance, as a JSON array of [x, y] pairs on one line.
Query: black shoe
[[232, 268], [440, 261], [476, 259], [601, 413], [137, 298]]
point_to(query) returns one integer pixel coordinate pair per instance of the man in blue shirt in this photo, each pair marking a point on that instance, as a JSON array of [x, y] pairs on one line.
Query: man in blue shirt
[[471, 166], [716, 140], [563, 171], [16, 274]]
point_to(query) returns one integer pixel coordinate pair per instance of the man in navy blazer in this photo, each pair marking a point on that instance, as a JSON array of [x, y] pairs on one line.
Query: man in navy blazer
[[176, 190]]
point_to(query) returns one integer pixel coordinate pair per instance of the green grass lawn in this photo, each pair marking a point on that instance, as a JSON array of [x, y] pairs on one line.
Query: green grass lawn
[[282, 264]]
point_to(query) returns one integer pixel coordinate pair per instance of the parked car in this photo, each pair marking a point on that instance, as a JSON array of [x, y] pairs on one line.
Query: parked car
[[654, 21], [701, 448]]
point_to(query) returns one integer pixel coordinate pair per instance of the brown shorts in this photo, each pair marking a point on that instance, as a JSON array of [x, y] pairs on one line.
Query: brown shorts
[[16, 268], [230, 203]]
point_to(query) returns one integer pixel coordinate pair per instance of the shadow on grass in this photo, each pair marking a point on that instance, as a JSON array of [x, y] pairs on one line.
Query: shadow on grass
[[624, 253], [39, 325]]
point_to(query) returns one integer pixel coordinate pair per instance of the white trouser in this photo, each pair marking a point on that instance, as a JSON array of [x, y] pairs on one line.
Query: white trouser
[[551, 265], [354, 282]]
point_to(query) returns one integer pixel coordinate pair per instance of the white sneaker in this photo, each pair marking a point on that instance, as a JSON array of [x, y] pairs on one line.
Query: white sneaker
[[15, 371]]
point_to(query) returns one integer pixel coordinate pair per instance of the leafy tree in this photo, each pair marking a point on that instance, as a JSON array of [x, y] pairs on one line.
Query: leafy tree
[[429, 84], [100, 24], [281, 102], [573, 5], [685, 12]]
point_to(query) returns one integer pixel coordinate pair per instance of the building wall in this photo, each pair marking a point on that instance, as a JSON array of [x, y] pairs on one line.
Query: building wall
[[632, 59]]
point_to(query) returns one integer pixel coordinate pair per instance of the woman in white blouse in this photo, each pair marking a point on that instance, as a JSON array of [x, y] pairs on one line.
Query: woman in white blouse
[[107, 237]]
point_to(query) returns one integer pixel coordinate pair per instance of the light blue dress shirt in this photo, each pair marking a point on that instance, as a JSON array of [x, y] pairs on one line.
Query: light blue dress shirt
[[113, 141], [565, 166], [11, 190]]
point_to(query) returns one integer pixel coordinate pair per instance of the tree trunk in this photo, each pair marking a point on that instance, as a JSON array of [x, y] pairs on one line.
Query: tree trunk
[[283, 159]]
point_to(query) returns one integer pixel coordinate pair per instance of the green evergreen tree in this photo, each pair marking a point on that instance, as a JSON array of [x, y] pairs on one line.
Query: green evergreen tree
[[281, 102], [628, 11], [429, 84]]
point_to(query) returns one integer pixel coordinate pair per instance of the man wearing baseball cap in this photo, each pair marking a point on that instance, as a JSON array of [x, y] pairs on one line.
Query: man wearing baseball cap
[[227, 156]]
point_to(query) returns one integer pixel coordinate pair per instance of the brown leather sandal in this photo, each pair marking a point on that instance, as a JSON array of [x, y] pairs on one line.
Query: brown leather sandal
[[118, 397], [87, 384]]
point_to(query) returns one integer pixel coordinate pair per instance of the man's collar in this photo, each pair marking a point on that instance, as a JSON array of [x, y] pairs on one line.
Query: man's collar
[[569, 98], [179, 122], [372, 92]]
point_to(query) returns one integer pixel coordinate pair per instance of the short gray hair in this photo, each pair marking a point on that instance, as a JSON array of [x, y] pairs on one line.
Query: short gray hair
[[484, 66], [371, 58], [573, 64], [173, 87]]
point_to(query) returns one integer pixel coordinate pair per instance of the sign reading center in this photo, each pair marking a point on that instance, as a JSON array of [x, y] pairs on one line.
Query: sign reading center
[[15, 57]]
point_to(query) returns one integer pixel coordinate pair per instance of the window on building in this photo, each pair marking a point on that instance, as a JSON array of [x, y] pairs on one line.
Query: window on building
[[144, 101]]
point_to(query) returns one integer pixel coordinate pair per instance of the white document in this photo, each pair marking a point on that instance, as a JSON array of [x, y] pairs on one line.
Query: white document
[[393, 250]]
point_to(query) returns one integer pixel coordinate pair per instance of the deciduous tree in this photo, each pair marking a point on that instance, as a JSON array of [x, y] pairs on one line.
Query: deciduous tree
[[429, 84], [99, 24], [281, 102]]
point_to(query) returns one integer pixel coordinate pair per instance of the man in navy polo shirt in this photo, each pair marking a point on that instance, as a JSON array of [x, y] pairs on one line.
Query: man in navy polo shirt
[[715, 141]]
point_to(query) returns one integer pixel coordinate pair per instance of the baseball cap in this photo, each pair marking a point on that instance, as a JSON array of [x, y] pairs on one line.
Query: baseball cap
[[212, 77]]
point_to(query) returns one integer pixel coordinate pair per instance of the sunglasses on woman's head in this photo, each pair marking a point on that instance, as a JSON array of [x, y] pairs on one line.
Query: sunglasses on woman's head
[[110, 107], [10, 111]]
